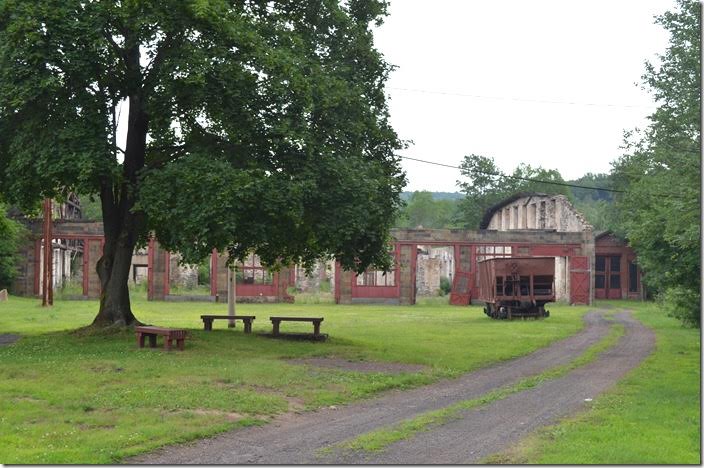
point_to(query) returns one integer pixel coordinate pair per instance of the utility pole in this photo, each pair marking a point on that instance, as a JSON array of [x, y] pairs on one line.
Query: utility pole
[[48, 270], [231, 295]]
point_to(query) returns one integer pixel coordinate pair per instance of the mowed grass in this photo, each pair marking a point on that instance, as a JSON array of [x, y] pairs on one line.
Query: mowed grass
[[651, 417], [67, 398]]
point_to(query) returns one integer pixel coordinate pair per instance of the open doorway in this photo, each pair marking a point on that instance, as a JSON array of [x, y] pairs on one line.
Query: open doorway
[[435, 270]]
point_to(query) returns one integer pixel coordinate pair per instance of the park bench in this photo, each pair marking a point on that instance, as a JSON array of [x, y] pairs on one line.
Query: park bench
[[246, 319], [276, 321], [169, 335]]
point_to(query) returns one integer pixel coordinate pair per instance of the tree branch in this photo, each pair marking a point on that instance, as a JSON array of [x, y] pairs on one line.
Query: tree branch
[[158, 60], [121, 53]]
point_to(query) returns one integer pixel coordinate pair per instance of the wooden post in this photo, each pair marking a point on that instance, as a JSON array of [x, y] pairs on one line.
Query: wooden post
[[231, 295], [48, 270]]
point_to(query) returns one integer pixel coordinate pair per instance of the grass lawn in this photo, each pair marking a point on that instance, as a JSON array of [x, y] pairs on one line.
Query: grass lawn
[[66, 398], [650, 417]]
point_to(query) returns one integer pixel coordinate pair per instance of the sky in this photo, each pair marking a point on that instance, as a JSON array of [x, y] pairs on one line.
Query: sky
[[548, 83]]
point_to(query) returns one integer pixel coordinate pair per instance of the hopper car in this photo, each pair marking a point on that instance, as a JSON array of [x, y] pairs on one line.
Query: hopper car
[[517, 287]]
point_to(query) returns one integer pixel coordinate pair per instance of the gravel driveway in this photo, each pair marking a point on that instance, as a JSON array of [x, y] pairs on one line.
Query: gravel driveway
[[295, 438], [489, 429]]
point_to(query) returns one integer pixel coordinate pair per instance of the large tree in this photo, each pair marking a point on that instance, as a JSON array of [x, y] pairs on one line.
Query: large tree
[[661, 172], [251, 126]]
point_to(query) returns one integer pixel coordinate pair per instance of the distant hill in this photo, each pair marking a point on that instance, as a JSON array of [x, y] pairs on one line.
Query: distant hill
[[436, 195]]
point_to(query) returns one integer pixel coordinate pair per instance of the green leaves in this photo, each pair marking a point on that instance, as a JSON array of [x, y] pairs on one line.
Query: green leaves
[[660, 213], [12, 234], [267, 124]]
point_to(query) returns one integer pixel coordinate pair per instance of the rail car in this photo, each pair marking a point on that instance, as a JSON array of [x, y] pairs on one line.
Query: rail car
[[517, 287]]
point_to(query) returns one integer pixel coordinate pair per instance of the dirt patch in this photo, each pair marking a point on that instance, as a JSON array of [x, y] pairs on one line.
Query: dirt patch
[[7, 338], [360, 366]]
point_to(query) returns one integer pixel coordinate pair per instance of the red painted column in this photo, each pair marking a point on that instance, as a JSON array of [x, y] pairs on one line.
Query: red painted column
[[214, 273], [150, 270], [86, 266]]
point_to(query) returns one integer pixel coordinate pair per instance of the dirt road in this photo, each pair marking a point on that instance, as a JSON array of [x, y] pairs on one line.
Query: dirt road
[[297, 439], [491, 428]]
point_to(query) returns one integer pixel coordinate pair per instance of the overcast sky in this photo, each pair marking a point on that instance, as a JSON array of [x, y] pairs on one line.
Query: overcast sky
[[514, 54]]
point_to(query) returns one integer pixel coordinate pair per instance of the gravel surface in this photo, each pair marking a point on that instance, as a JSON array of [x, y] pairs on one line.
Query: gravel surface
[[491, 428], [7, 338], [295, 438]]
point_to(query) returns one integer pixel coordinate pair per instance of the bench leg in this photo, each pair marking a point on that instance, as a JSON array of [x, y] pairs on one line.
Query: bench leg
[[179, 343], [152, 341], [247, 326], [167, 343], [140, 340], [276, 328], [316, 328], [207, 324]]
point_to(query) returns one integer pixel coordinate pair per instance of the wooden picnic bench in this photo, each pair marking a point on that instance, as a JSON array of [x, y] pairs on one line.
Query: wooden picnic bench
[[169, 334], [246, 319], [276, 321]]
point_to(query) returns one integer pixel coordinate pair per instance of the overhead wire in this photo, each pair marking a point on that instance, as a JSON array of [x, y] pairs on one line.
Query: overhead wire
[[549, 182], [506, 176]]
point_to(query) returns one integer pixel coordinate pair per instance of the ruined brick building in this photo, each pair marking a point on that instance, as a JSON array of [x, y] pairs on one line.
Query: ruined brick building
[[588, 265]]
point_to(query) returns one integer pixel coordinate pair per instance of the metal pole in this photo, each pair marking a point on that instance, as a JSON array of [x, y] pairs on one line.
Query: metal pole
[[231, 295]]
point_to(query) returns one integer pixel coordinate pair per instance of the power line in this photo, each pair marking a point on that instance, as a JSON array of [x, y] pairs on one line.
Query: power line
[[539, 101], [551, 182]]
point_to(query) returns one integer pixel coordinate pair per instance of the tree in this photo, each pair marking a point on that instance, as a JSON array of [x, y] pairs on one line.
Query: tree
[[485, 185], [11, 234], [422, 209], [251, 126], [660, 211]]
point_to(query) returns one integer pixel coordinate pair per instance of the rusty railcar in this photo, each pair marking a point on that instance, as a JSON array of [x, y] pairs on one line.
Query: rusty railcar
[[517, 287]]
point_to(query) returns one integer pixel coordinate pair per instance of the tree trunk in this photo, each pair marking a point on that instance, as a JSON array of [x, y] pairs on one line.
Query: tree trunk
[[121, 224], [113, 270]]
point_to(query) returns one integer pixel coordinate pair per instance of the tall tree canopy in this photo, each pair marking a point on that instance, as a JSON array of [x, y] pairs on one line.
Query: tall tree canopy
[[251, 126], [484, 185], [660, 213]]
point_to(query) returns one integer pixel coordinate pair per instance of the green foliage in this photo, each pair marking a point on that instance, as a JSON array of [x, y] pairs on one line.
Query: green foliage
[[592, 180], [660, 213], [681, 302], [12, 234], [90, 207], [423, 209], [204, 273], [484, 185], [252, 126], [445, 286]]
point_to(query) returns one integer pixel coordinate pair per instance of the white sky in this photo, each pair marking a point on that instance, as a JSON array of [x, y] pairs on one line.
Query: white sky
[[515, 52]]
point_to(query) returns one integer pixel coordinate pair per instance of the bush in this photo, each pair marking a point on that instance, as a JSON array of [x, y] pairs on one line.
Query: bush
[[204, 272], [683, 304], [445, 286], [11, 235]]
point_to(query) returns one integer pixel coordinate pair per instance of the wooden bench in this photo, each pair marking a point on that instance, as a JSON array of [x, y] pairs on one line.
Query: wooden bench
[[169, 335], [276, 321], [247, 319]]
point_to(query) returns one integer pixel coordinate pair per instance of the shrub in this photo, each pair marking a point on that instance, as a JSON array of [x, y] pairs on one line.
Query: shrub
[[683, 304], [445, 286]]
